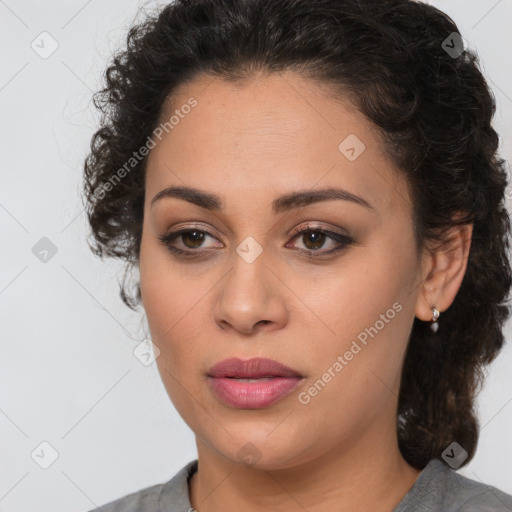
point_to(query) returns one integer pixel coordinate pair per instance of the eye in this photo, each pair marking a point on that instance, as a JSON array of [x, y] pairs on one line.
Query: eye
[[314, 238], [191, 239]]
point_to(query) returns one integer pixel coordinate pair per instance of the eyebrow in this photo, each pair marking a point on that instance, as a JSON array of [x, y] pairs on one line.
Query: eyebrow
[[279, 205]]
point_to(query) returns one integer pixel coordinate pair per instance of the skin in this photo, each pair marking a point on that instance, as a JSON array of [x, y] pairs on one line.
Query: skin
[[249, 144]]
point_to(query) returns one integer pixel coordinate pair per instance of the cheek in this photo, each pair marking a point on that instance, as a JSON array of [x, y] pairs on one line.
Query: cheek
[[172, 305], [174, 317], [172, 311], [165, 295], [361, 289], [366, 307]]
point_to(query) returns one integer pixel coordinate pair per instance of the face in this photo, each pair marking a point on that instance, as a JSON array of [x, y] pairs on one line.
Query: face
[[325, 284]]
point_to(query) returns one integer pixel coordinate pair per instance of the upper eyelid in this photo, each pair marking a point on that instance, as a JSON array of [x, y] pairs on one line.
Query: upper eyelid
[[303, 226], [294, 233]]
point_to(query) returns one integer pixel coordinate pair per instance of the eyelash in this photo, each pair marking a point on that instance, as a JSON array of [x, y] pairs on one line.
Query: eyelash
[[344, 240]]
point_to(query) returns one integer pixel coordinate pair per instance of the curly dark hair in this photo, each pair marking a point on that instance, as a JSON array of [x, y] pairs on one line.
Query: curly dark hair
[[432, 107]]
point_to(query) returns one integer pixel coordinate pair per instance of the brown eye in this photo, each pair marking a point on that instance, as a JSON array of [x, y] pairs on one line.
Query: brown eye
[[315, 238], [192, 240], [195, 238], [189, 243]]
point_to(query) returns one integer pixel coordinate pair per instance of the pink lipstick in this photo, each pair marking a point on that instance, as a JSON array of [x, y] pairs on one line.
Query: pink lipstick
[[252, 383]]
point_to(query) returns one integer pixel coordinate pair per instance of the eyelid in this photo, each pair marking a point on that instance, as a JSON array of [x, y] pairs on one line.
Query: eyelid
[[190, 227], [175, 234], [315, 225], [306, 225], [343, 240]]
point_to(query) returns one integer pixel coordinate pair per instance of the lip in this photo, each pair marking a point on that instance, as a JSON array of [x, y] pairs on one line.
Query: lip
[[272, 382]]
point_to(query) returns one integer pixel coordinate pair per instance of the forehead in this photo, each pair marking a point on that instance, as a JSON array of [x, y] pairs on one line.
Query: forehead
[[266, 135]]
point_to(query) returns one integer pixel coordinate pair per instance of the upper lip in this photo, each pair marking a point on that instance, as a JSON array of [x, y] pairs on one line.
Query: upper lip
[[251, 368]]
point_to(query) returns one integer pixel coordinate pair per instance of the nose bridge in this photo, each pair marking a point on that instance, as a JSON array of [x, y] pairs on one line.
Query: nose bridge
[[250, 293], [248, 279]]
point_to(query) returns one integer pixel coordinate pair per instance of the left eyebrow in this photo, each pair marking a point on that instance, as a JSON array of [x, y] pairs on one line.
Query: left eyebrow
[[279, 205], [305, 198]]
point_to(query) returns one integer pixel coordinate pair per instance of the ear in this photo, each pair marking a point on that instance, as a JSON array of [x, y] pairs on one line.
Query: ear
[[443, 270]]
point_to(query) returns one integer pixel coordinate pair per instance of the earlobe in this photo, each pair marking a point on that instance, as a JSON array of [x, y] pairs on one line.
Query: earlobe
[[435, 315], [445, 268]]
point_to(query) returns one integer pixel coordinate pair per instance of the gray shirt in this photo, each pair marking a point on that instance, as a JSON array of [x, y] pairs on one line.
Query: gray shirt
[[437, 489]]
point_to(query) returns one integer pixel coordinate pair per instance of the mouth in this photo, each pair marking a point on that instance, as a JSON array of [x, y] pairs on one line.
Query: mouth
[[253, 383], [255, 368]]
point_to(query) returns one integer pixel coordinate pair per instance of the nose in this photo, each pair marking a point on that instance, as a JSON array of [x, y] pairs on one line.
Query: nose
[[250, 298]]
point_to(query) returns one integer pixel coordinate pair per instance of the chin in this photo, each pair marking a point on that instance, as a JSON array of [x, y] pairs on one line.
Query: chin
[[259, 451]]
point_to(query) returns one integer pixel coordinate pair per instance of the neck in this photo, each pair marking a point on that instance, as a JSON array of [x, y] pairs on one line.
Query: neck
[[359, 475]]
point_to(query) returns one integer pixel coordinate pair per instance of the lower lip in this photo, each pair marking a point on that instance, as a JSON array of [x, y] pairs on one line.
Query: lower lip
[[253, 395]]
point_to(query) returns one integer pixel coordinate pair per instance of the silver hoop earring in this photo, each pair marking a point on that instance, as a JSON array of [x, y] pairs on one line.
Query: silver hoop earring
[[435, 315]]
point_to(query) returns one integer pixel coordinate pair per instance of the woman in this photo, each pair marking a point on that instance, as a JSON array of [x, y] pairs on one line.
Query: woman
[[311, 193]]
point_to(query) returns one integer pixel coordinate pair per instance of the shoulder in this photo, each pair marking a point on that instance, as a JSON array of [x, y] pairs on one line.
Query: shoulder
[[439, 488], [472, 496], [145, 500], [168, 496]]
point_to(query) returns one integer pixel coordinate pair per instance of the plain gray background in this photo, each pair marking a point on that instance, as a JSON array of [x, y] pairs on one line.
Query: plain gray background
[[68, 375]]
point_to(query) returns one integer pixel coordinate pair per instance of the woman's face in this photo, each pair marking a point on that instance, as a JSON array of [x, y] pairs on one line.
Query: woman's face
[[336, 308]]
